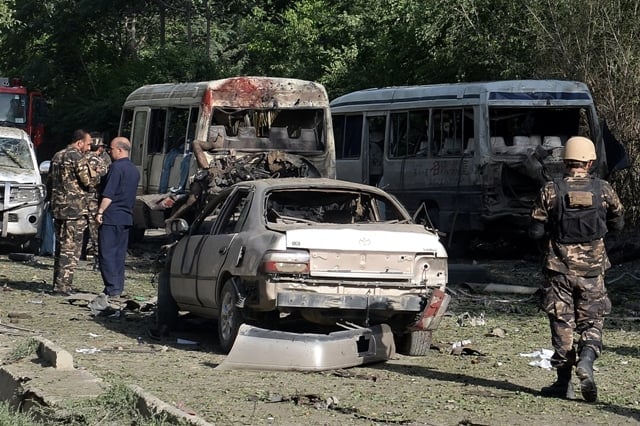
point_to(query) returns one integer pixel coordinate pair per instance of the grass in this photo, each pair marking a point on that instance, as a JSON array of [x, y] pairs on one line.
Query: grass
[[23, 349], [10, 417], [117, 406]]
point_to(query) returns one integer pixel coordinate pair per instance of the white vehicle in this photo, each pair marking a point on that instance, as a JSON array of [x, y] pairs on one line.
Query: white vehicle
[[474, 155], [227, 125], [22, 193], [325, 251]]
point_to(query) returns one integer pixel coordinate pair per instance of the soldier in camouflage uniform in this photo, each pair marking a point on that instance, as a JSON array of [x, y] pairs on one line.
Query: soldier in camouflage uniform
[[93, 167], [69, 209], [575, 213]]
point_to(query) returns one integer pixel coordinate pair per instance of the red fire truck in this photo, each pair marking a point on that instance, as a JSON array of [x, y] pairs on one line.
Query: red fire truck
[[22, 108]]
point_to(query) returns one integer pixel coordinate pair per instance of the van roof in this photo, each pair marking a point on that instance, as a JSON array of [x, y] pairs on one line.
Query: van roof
[[496, 89]]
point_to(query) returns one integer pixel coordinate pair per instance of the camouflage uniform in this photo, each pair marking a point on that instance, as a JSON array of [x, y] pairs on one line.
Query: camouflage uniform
[[69, 209], [91, 168], [574, 294]]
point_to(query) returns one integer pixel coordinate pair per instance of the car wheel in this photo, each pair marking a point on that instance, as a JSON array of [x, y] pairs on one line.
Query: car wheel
[[229, 316], [415, 343], [167, 308]]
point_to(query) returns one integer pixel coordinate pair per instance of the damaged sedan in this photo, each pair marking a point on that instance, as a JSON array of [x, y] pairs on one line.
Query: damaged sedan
[[323, 252]]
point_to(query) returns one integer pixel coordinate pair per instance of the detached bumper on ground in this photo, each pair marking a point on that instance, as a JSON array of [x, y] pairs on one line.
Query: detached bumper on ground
[[261, 349]]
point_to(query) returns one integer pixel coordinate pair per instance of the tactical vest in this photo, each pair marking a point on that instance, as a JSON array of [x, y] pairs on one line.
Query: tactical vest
[[580, 216]]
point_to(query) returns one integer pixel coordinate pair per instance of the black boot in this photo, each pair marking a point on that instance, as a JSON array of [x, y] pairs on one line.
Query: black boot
[[584, 371], [561, 388]]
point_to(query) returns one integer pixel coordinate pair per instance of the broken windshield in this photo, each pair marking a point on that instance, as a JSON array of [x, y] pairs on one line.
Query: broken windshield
[[15, 153], [282, 129], [512, 128], [311, 206]]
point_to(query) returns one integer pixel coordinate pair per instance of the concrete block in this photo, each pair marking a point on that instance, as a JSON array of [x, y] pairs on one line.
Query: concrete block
[[54, 355], [148, 405]]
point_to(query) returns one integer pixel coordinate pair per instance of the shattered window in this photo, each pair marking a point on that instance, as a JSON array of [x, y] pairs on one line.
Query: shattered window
[[329, 206], [538, 126], [15, 153], [284, 129], [234, 213]]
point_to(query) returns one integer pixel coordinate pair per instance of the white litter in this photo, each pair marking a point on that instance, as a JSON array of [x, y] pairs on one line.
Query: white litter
[[460, 344], [543, 358], [87, 351], [94, 335]]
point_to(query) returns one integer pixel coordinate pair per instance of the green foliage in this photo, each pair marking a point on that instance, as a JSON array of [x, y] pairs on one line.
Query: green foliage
[[9, 416], [87, 55], [23, 349]]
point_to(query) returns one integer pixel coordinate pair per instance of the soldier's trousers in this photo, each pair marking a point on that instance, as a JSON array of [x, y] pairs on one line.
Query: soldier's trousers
[[69, 235], [574, 305]]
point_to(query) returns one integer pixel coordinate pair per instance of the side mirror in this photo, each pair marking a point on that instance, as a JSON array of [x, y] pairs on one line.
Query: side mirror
[[176, 227], [45, 166]]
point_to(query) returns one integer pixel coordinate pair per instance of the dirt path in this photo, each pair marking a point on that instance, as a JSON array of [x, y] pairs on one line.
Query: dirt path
[[493, 384]]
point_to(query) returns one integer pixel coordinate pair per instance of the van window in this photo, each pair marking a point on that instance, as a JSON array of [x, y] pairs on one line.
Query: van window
[[137, 137], [409, 134], [452, 129], [348, 135]]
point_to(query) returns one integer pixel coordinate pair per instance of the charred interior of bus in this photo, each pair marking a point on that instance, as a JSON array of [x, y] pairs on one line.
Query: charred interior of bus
[[282, 129], [530, 127], [527, 146]]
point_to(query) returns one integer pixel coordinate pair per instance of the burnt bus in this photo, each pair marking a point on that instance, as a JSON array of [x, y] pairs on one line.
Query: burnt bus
[[471, 155], [241, 128]]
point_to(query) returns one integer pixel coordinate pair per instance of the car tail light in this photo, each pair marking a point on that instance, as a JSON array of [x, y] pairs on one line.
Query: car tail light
[[286, 262]]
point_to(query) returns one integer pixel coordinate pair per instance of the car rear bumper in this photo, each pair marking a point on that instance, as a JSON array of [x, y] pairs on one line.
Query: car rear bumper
[[299, 300]]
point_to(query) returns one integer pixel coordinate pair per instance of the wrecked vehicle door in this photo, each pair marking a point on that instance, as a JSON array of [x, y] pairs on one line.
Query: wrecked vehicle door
[[323, 251]]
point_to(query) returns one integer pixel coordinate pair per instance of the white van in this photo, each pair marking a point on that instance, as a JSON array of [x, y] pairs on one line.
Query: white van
[[474, 155], [22, 193]]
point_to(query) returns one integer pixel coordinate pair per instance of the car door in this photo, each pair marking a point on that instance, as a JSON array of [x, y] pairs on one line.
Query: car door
[[214, 248], [184, 264]]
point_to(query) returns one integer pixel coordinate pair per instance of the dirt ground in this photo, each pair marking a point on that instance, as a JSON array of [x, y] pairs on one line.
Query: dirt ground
[[490, 383]]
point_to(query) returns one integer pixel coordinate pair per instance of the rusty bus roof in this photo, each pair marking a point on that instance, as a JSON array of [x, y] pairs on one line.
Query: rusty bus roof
[[236, 92]]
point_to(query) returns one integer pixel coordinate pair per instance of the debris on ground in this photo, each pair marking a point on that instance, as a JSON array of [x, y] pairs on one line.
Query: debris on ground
[[476, 321], [463, 347], [496, 332], [542, 358]]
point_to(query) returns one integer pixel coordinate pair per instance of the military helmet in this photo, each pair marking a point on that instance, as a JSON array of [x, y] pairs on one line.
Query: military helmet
[[97, 142], [579, 148]]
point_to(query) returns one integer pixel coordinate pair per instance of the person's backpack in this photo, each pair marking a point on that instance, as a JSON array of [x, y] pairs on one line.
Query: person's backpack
[[579, 213]]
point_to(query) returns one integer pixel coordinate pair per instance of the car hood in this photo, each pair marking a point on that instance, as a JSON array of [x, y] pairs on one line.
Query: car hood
[[19, 176], [380, 237]]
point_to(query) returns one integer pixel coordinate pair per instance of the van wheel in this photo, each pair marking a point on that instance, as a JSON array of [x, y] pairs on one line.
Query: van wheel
[[415, 343], [229, 316], [166, 308]]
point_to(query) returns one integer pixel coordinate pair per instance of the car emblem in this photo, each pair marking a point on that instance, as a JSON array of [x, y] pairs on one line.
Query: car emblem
[[364, 241]]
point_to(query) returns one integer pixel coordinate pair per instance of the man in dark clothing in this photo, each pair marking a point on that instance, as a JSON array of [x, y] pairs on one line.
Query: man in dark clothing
[[115, 215], [576, 212]]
